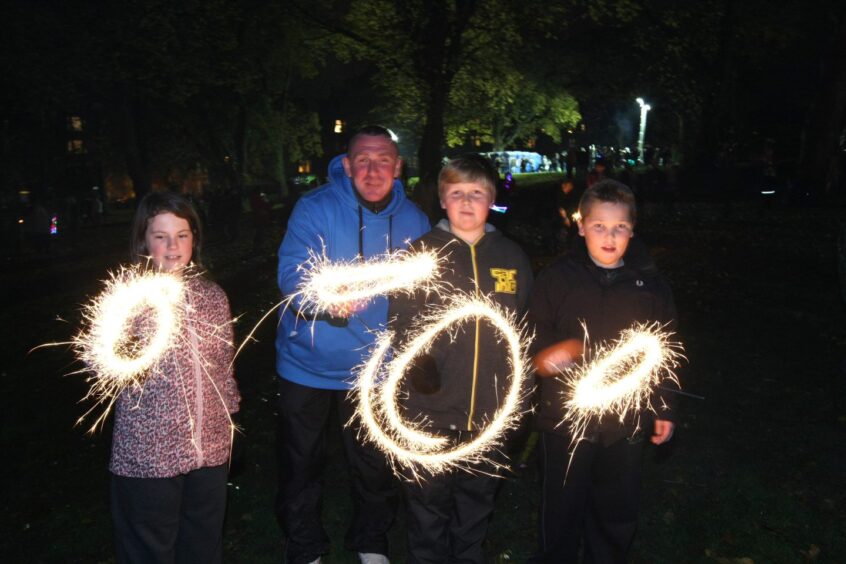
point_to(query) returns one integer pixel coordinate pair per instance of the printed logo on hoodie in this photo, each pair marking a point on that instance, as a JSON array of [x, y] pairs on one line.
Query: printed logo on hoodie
[[506, 280]]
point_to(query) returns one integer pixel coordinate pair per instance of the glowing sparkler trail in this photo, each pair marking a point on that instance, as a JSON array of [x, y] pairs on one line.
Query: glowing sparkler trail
[[329, 285], [115, 356], [105, 348], [130, 327], [332, 286], [620, 377], [407, 443]]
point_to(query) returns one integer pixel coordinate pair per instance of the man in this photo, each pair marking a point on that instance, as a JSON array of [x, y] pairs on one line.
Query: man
[[361, 212]]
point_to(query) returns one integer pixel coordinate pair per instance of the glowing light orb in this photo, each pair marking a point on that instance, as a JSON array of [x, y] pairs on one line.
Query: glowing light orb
[[407, 442], [621, 376]]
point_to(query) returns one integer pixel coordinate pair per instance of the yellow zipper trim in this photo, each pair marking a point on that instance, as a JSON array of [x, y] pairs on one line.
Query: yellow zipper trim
[[476, 344]]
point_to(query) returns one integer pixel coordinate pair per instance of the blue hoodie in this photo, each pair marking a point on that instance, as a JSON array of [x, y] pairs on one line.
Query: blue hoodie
[[315, 353]]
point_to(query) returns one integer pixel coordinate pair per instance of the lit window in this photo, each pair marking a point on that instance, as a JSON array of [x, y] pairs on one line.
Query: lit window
[[76, 147], [304, 167], [477, 141], [74, 123], [531, 143], [339, 126]]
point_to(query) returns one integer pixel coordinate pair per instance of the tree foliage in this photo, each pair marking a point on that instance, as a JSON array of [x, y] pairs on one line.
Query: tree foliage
[[506, 106]]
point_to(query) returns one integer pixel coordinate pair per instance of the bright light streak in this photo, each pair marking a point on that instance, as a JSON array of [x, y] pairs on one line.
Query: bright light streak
[[407, 443], [107, 347], [332, 285], [342, 286], [116, 347], [620, 376], [130, 327]]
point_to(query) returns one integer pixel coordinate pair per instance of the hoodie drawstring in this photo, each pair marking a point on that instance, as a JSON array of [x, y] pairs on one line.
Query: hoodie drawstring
[[361, 233]]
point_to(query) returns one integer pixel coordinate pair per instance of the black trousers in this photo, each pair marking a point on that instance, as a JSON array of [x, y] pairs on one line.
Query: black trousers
[[170, 520], [301, 442], [447, 515], [598, 501]]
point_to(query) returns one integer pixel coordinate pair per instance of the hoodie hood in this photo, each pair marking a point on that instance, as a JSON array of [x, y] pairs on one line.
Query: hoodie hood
[[443, 225]]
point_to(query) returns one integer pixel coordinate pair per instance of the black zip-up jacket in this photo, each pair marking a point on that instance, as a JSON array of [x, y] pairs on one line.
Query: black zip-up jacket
[[467, 377], [572, 290]]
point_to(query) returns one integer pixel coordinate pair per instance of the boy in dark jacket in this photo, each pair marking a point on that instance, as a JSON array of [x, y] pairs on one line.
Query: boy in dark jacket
[[608, 283], [458, 386]]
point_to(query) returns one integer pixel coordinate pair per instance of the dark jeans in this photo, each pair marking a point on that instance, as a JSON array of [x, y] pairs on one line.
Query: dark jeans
[[598, 501], [448, 514], [301, 442], [168, 520]]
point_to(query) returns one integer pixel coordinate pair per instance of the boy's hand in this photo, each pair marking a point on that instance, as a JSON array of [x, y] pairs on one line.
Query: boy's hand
[[553, 359], [663, 431]]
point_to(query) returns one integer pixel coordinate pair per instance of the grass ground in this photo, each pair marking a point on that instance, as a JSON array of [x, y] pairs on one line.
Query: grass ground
[[755, 473]]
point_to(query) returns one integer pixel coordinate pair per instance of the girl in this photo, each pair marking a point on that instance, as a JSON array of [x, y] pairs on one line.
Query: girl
[[172, 437]]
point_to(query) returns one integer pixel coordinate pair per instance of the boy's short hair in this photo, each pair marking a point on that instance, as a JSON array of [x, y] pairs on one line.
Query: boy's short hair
[[608, 191], [469, 168], [153, 204]]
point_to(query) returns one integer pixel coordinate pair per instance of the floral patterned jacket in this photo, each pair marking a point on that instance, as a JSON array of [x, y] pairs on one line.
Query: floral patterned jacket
[[178, 419]]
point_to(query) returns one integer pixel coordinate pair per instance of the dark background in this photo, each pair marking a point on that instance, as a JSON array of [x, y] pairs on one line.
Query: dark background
[[222, 98]]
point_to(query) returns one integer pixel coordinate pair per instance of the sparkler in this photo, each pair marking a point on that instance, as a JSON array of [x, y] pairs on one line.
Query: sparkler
[[407, 442], [329, 286], [106, 347], [620, 377], [129, 328]]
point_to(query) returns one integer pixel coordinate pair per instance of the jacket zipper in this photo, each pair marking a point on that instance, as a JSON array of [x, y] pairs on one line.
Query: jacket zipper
[[476, 343], [197, 435]]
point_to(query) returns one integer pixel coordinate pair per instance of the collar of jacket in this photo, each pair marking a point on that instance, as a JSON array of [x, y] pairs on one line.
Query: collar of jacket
[[443, 232], [374, 207], [637, 262]]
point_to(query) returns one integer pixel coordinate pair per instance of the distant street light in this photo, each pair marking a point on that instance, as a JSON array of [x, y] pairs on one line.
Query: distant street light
[[644, 108]]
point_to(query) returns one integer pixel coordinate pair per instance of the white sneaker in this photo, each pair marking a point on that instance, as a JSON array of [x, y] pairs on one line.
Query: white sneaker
[[373, 558], [318, 561]]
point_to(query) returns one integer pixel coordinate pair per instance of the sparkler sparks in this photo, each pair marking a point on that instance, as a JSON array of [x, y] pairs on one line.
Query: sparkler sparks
[[131, 326], [408, 443], [329, 286], [106, 346], [339, 287], [620, 377]]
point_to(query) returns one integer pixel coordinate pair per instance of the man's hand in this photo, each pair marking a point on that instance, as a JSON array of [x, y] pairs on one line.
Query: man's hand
[[345, 310], [663, 431], [553, 359]]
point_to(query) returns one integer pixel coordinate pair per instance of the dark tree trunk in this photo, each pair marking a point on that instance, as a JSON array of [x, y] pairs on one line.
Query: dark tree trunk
[[819, 156], [222, 166], [716, 107], [241, 129], [136, 142], [430, 152]]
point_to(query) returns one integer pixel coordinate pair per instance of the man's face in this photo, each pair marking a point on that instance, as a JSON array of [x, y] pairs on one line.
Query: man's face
[[372, 163]]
